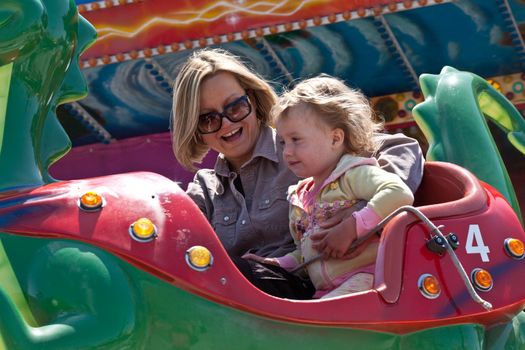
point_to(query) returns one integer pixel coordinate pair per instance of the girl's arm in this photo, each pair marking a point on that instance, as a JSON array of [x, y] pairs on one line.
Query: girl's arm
[[384, 192]]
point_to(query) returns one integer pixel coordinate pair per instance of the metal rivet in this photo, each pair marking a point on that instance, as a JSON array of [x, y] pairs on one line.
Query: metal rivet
[[243, 222], [267, 201], [226, 218], [223, 280]]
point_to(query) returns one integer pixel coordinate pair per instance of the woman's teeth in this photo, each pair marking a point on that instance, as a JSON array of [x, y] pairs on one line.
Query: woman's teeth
[[231, 133]]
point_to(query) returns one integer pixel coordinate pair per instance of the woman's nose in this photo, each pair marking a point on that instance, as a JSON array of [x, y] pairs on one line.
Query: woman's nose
[[225, 122]]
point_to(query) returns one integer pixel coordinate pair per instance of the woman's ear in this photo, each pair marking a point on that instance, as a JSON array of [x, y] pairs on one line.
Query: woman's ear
[[338, 137], [253, 101], [252, 97]]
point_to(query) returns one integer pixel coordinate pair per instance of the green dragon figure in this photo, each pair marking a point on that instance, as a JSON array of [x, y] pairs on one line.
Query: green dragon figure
[[39, 48], [452, 117]]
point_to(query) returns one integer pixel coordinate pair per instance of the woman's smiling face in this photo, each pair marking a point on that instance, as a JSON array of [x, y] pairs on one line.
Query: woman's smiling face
[[236, 140]]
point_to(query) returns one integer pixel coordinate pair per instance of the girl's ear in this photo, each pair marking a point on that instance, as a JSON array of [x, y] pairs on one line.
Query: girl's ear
[[338, 137]]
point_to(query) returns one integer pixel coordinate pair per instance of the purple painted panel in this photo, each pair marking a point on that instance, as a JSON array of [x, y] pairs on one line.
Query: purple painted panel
[[145, 153]]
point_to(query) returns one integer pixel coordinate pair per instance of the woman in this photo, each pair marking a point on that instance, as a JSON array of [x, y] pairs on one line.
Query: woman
[[220, 104]]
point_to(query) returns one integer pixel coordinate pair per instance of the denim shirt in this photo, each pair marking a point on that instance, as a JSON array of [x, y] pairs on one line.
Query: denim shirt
[[258, 221]]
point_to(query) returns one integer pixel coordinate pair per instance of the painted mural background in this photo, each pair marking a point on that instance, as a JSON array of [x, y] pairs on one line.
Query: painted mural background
[[378, 46]]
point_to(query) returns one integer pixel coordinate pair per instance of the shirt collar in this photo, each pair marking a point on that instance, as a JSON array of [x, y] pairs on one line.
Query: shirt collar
[[266, 147]]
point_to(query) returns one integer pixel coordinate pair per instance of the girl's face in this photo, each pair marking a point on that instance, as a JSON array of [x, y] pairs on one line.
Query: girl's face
[[311, 147], [236, 140]]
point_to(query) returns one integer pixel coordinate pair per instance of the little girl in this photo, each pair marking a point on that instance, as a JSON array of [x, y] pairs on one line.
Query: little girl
[[325, 127]]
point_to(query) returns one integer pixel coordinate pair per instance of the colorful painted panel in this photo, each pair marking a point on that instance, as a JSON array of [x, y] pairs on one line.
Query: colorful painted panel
[[148, 24]]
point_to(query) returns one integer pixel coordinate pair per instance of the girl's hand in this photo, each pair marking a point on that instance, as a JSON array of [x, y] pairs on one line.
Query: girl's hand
[[260, 259], [335, 239]]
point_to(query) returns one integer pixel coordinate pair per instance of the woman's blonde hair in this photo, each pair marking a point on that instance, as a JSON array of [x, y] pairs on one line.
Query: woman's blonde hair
[[339, 106], [186, 141]]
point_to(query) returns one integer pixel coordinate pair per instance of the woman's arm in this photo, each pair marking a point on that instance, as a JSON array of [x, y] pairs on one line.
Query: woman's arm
[[289, 261], [402, 156], [197, 192]]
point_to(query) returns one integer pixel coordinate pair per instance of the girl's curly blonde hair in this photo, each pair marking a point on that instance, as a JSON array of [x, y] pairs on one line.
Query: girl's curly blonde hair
[[339, 106]]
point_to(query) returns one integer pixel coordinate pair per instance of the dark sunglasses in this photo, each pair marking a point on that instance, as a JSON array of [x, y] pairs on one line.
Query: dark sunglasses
[[234, 111]]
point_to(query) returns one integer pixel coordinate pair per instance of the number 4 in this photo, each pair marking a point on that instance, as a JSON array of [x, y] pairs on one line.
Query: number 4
[[474, 235]]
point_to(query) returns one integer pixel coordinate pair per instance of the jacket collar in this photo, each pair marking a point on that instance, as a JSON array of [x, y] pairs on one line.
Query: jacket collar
[[266, 147], [296, 194], [346, 163]]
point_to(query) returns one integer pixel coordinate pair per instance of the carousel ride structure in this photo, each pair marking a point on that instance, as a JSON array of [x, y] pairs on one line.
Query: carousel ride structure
[[128, 260]]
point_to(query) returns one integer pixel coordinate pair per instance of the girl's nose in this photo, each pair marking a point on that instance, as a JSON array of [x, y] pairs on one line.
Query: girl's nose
[[287, 150]]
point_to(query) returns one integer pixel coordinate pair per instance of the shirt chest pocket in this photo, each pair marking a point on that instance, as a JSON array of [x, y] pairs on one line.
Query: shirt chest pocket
[[224, 223], [273, 198], [273, 207]]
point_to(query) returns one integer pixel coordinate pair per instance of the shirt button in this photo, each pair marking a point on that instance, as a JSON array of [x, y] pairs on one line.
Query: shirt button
[[226, 218], [243, 222]]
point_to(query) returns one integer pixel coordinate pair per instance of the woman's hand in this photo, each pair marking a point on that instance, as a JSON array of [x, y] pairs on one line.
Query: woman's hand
[[260, 259], [336, 236]]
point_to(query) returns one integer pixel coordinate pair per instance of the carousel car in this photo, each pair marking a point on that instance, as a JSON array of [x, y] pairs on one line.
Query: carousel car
[[451, 264]]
